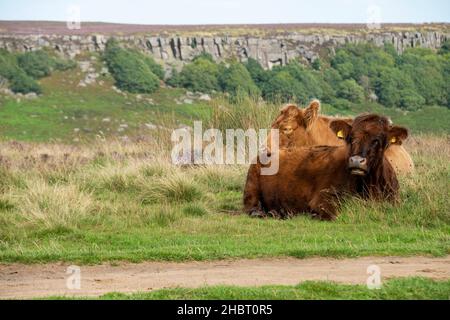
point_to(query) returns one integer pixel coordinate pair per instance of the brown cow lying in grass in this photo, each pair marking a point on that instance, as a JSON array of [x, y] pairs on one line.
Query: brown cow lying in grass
[[305, 127], [313, 179]]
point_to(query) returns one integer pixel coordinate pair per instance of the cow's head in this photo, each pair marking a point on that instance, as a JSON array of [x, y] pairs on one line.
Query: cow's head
[[368, 137], [304, 127]]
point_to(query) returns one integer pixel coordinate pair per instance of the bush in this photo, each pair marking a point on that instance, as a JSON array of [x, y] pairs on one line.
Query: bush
[[155, 67], [175, 79], [282, 86], [19, 81], [258, 74], [37, 64], [201, 75], [129, 70], [411, 100], [351, 91], [316, 64], [63, 65], [236, 80], [205, 56]]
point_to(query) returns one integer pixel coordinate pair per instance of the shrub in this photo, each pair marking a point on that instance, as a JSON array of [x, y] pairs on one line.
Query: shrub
[[22, 83], [37, 64], [411, 100], [256, 71], [155, 67], [282, 86], [200, 75], [175, 79], [129, 70], [351, 91], [308, 81], [63, 65], [236, 80], [205, 56], [316, 64]]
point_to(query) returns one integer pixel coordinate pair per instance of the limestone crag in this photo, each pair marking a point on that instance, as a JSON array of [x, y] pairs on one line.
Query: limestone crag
[[269, 51]]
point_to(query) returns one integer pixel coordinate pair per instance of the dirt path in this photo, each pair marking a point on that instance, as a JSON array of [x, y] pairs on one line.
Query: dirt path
[[27, 281]]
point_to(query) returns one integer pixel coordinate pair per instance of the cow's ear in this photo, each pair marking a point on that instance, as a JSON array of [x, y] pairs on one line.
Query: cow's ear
[[397, 135], [289, 110], [341, 128], [311, 113]]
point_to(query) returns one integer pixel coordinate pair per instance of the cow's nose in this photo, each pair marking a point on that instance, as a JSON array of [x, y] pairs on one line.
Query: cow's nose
[[357, 162]]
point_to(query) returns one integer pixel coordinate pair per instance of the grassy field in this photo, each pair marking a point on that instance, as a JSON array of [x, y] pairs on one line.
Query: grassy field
[[398, 289], [85, 177], [69, 113], [124, 201]]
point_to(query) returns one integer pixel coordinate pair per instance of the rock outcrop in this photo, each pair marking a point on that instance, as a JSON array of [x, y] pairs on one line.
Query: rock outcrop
[[269, 51]]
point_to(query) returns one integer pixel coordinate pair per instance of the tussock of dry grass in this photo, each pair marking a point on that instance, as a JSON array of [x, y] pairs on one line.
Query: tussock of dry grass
[[51, 205]]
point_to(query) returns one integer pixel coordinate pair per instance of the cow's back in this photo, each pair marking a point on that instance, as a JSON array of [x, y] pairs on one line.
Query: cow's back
[[400, 159]]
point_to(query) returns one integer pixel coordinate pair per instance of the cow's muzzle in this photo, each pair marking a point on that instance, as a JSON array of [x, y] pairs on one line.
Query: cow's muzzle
[[357, 165]]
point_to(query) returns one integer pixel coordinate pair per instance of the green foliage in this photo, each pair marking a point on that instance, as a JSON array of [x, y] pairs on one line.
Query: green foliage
[[394, 89], [425, 69], [201, 75], [22, 83], [175, 79], [350, 90], [19, 81], [129, 69], [282, 86], [237, 81], [37, 64], [409, 81], [63, 65], [155, 67], [316, 64], [205, 56], [258, 74], [445, 48]]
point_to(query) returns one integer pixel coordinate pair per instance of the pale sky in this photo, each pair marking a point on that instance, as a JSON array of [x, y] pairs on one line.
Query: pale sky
[[230, 11]]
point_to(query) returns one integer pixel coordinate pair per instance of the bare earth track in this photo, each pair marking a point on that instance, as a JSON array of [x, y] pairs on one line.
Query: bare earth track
[[31, 281]]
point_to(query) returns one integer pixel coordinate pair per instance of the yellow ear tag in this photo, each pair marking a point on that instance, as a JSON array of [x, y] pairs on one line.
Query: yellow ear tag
[[340, 134], [393, 140]]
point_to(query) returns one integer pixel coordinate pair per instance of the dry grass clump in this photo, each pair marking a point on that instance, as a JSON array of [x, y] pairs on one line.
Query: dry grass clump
[[51, 205]]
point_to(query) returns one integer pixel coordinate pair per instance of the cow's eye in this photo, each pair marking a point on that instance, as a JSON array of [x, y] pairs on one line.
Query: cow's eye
[[375, 143]]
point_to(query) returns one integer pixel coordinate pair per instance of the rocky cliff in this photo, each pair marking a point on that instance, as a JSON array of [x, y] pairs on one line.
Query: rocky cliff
[[268, 50]]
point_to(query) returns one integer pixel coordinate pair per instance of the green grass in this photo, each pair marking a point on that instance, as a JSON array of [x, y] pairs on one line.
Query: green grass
[[129, 205], [394, 289], [66, 111], [110, 201]]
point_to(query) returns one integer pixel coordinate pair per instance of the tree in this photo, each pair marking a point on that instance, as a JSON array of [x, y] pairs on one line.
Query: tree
[[258, 74], [351, 90], [237, 80], [282, 86], [200, 75], [129, 70]]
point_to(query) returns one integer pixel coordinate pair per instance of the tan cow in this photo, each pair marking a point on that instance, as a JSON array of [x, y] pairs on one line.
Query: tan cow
[[305, 127], [322, 175]]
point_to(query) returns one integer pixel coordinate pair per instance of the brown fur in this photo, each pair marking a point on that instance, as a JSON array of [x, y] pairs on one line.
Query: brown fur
[[306, 127], [312, 179]]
